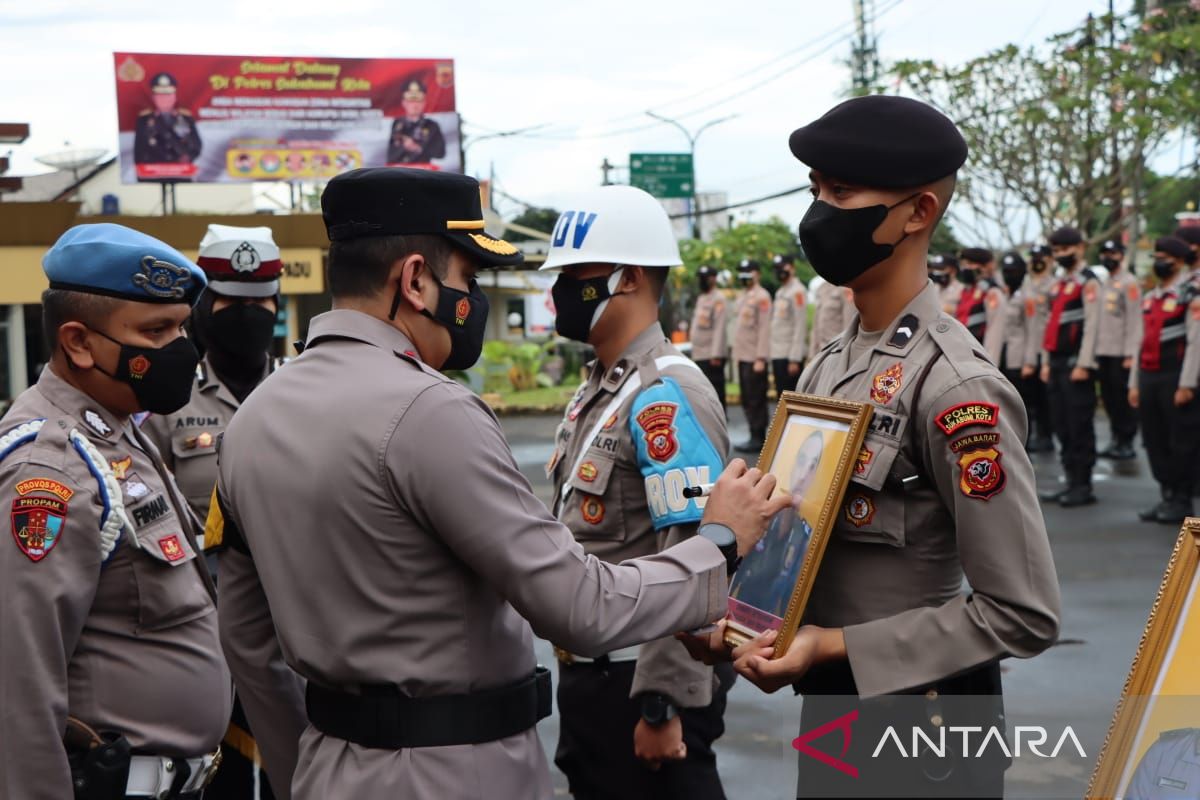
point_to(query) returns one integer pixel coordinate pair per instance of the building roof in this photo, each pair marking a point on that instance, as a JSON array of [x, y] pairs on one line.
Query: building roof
[[54, 186]]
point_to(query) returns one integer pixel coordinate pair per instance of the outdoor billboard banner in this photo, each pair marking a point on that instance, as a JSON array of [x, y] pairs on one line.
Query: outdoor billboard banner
[[212, 119]]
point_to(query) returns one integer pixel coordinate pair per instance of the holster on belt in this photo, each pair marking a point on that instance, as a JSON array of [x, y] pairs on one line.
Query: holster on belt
[[99, 761]]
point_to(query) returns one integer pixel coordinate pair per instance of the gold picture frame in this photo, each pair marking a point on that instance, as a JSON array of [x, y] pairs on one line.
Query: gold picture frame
[[816, 442], [1167, 651]]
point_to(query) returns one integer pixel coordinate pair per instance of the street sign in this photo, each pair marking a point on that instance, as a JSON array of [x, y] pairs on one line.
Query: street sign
[[663, 174]]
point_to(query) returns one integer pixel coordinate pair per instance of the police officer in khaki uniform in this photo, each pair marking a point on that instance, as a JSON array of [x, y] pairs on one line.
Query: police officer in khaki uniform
[[789, 325], [638, 722], [1162, 385], [109, 622], [382, 542], [1118, 338], [1069, 366], [234, 321], [1036, 290], [709, 340], [833, 308], [1004, 341], [947, 492], [980, 304], [943, 271], [752, 352]]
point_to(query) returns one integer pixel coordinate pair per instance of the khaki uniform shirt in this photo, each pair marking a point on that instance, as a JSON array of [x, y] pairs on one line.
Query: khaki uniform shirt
[[752, 325], [395, 541], [709, 338], [1119, 332], [834, 310], [949, 295], [1036, 289], [894, 565], [789, 322], [1005, 338], [620, 491], [120, 633]]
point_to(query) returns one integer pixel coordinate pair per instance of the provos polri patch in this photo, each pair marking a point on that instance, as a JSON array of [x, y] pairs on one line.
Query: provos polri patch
[[38, 515]]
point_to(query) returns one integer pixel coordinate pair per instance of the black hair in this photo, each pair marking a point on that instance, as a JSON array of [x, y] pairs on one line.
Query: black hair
[[360, 267], [60, 306], [657, 278]]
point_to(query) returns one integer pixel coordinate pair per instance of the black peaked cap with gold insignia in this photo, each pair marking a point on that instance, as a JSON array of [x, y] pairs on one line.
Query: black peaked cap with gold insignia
[[396, 201], [883, 142]]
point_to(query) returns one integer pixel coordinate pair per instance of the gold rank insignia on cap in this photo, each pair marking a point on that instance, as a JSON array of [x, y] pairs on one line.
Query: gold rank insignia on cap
[[464, 224], [497, 246]]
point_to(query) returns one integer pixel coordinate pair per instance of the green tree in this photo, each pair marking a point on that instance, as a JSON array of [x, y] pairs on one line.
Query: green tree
[[1165, 197], [1059, 133], [540, 219]]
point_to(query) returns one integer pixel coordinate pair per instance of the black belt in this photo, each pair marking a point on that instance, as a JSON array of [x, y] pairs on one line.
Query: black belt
[[383, 718]]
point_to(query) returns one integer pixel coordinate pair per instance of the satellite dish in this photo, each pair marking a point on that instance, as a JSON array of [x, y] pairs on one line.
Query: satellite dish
[[73, 159]]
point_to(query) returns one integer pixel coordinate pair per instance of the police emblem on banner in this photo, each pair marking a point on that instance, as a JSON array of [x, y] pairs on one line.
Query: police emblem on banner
[[656, 421], [885, 385], [982, 476]]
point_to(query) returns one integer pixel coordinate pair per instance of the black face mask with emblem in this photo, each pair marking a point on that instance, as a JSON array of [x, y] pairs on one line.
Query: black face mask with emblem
[[242, 328], [161, 377], [578, 302], [464, 315]]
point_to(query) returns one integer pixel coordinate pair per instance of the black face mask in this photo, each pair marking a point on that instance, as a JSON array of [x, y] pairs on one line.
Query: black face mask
[[1013, 278], [242, 329], [838, 241], [1112, 264], [783, 275], [746, 283], [161, 377], [707, 282], [968, 276], [464, 315], [578, 303], [1068, 261], [1163, 268], [940, 278]]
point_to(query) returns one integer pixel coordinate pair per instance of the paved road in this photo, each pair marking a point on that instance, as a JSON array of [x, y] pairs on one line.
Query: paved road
[[1109, 566]]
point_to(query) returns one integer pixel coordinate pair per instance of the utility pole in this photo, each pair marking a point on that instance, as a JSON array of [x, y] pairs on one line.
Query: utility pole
[[693, 201], [605, 168], [864, 53], [1139, 160]]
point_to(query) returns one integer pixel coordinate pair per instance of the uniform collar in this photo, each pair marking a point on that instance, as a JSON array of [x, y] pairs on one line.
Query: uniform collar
[[98, 421], [344, 323], [900, 336], [623, 367]]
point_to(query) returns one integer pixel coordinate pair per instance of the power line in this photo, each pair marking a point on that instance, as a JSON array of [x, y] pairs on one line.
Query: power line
[[744, 203]]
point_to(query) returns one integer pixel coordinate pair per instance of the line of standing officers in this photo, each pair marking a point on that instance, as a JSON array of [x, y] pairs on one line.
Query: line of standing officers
[[1069, 336]]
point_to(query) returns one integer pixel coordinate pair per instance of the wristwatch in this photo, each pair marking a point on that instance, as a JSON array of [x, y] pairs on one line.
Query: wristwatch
[[657, 709], [722, 536]]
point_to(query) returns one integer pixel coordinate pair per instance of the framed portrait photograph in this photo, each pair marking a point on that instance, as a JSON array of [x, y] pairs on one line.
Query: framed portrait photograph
[[811, 449], [1153, 744]]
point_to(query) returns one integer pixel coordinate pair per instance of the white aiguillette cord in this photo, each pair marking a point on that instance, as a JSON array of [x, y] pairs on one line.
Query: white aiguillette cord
[[631, 386]]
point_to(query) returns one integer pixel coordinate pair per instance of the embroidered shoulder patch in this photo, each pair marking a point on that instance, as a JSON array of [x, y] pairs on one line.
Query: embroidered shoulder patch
[[656, 421], [37, 519], [973, 441], [964, 415], [982, 476], [885, 385]]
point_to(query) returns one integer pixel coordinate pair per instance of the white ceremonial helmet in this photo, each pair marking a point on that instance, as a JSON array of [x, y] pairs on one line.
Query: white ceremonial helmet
[[613, 225]]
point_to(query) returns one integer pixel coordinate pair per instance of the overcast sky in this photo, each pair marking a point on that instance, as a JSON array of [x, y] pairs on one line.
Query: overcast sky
[[589, 71]]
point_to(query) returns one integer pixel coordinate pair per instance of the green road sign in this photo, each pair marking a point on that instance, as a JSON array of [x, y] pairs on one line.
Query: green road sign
[[663, 174]]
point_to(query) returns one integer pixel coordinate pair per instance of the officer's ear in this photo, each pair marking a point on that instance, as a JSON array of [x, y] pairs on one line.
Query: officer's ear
[[927, 210], [632, 279], [73, 341], [410, 279]]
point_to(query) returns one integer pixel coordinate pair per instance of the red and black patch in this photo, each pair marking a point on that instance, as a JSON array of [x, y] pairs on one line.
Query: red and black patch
[[37, 524], [964, 415], [860, 510], [865, 457], [139, 365], [592, 509], [974, 441], [171, 549], [462, 310], [982, 475], [656, 420], [885, 385]]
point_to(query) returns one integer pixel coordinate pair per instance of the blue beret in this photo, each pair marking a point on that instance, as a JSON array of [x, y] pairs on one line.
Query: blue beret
[[881, 142], [120, 262]]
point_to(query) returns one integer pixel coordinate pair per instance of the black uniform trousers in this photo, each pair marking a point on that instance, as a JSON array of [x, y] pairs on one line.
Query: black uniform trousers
[[1171, 433], [595, 740], [972, 699], [784, 381], [1073, 411], [716, 376], [1114, 392], [1037, 405], [754, 398]]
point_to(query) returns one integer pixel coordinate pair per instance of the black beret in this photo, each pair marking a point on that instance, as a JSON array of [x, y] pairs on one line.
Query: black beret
[[1188, 233], [782, 259], [980, 255], [1066, 236], [748, 265], [1173, 246], [944, 260], [396, 201], [1012, 260], [1112, 246], [1040, 250], [883, 142]]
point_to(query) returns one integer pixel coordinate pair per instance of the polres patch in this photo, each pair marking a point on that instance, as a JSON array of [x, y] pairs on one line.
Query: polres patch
[[982, 476], [656, 421], [964, 415]]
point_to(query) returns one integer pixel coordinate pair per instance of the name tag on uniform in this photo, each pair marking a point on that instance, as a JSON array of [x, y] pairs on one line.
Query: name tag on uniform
[[1171, 783]]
